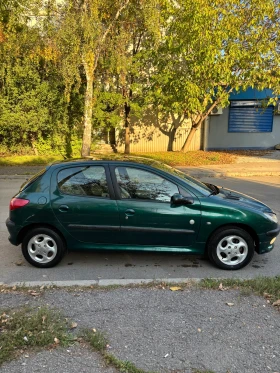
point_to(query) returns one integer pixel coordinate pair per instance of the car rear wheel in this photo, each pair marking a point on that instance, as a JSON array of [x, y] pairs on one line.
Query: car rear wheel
[[43, 247], [231, 248]]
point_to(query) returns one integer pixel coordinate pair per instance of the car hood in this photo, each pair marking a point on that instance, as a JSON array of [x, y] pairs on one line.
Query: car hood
[[241, 199]]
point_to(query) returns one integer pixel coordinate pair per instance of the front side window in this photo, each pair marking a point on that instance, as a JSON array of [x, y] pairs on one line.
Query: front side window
[[138, 184], [83, 181]]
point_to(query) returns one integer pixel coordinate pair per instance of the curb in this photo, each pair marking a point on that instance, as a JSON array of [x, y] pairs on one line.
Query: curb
[[101, 283]]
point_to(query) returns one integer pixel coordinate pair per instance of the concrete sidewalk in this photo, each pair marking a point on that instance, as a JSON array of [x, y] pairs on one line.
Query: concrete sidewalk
[[236, 169]]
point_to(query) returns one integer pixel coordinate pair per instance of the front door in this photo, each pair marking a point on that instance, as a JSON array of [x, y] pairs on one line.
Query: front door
[[146, 215], [82, 203]]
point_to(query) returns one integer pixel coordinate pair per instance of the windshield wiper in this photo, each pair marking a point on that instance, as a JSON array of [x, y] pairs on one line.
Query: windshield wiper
[[214, 189], [213, 193]]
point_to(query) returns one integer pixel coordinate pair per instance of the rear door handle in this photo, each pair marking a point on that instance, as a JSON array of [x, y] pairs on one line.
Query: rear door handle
[[129, 212], [63, 208]]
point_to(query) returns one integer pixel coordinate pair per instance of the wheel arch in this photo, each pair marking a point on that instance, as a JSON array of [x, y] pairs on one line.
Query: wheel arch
[[29, 227], [245, 227]]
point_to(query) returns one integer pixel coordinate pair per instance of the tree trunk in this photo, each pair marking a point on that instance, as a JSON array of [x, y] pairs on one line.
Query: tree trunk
[[88, 112], [190, 136], [33, 144], [171, 139], [127, 139], [127, 129]]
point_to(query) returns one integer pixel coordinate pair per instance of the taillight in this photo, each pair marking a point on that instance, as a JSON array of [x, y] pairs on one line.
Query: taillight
[[16, 203]]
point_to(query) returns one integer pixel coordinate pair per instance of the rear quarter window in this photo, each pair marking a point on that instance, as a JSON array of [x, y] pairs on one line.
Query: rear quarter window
[[32, 180]]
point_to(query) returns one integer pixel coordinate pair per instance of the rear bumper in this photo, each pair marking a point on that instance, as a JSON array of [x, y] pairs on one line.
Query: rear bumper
[[13, 230]]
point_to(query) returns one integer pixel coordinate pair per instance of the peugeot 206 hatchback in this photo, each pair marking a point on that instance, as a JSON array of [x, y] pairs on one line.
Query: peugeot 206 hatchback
[[120, 205]]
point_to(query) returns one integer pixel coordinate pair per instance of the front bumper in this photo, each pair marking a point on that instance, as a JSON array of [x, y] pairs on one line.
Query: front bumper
[[274, 232], [13, 230], [267, 240]]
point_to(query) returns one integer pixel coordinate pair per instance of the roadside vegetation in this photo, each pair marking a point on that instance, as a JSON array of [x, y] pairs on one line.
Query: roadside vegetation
[[29, 160], [268, 287], [26, 329], [194, 158]]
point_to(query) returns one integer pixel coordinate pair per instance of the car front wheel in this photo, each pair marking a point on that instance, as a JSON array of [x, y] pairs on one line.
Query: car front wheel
[[43, 247], [231, 248]]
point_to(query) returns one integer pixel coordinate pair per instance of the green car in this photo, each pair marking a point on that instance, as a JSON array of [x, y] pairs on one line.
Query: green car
[[117, 205]]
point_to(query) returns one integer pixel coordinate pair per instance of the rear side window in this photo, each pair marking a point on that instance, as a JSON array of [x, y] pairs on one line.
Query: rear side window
[[32, 180], [83, 181]]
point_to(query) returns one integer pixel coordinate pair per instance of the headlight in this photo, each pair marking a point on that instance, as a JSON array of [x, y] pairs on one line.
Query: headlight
[[271, 216]]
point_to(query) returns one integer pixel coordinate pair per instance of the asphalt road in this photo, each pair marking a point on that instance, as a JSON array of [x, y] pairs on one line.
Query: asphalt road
[[89, 266]]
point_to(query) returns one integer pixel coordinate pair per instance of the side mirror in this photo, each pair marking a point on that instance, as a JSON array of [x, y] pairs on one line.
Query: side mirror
[[178, 200]]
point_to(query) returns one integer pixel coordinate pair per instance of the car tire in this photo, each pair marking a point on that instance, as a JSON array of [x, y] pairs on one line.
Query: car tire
[[231, 248], [43, 247]]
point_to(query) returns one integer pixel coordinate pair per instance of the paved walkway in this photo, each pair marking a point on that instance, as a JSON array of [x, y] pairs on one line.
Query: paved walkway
[[267, 165], [159, 330]]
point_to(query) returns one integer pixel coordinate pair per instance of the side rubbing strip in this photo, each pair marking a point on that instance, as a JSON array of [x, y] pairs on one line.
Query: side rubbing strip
[[156, 230], [95, 227]]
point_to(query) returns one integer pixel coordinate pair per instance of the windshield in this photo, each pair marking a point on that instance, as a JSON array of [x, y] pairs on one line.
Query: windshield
[[196, 184]]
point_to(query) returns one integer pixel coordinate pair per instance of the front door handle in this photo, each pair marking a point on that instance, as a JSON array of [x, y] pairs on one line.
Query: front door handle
[[63, 208], [128, 213]]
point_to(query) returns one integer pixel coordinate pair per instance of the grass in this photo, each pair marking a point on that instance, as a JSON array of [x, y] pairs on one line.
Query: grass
[[263, 286], [194, 158], [28, 160], [26, 329], [191, 158]]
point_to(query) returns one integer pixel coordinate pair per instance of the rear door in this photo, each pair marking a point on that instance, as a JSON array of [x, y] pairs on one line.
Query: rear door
[[83, 202]]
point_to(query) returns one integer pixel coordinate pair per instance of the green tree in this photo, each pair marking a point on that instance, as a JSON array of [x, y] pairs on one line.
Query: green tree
[[210, 49], [30, 91], [82, 28]]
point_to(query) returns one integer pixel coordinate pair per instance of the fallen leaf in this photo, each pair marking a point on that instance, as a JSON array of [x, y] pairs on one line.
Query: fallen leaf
[[267, 295], [14, 288], [34, 293], [175, 288], [230, 304], [74, 325], [277, 303], [56, 340], [42, 287], [19, 263], [221, 286]]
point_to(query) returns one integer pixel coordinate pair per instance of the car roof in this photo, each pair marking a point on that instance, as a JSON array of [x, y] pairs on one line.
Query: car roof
[[125, 160]]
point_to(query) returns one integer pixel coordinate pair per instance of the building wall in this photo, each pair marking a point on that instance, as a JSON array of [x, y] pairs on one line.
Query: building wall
[[219, 137], [145, 137]]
